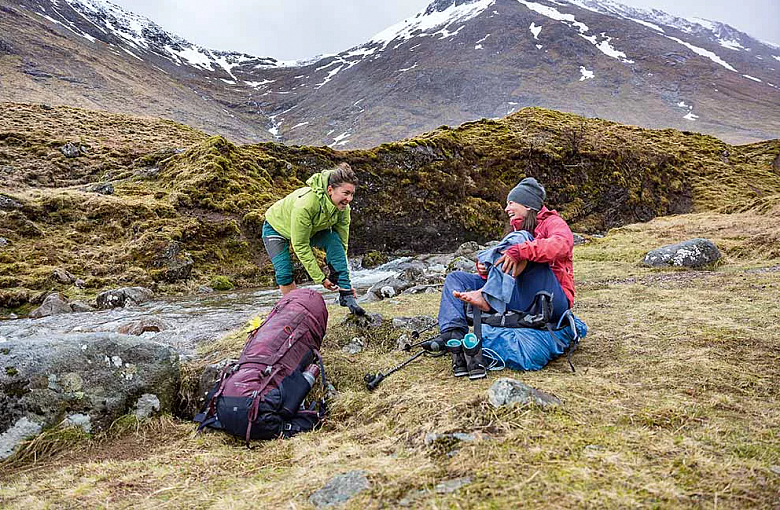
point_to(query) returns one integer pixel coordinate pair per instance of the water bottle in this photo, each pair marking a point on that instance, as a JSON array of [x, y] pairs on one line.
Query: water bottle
[[311, 373]]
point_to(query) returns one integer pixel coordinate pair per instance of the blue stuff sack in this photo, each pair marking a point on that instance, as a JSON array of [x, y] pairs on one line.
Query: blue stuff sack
[[527, 348]]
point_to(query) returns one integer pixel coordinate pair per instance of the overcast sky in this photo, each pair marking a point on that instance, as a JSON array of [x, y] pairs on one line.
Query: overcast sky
[[296, 29]]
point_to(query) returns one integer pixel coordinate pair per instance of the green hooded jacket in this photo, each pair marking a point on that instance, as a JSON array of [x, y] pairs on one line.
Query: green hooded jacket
[[303, 213]]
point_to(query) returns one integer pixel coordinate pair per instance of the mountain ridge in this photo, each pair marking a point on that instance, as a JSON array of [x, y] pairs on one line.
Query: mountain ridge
[[455, 61]]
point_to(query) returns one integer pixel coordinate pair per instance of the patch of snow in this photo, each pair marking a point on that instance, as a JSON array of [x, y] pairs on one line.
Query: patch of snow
[[415, 46], [586, 75], [648, 24], [196, 57], [483, 39], [341, 139], [229, 82], [606, 48], [422, 23], [553, 13], [535, 30], [334, 62], [538, 46], [776, 57], [682, 104], [255, 84], [690, 116], [704, 53], [751, 78], [63, 25], [299, 125], [130, 53], [407, 68], [478, 47], [329, 77], [445, 34], [731, 44]]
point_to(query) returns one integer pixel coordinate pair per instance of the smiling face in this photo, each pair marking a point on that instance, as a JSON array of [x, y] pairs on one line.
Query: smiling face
[[515, 210], [341, 195]]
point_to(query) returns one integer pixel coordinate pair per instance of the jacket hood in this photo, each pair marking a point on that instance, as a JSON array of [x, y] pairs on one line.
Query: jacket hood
[[319, 183]]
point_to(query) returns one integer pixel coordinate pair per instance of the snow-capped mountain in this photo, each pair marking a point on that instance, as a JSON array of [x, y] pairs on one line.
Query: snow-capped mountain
[[457, 60]]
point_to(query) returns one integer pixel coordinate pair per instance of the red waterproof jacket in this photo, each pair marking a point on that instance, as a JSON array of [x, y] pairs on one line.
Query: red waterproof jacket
[[553, 243]]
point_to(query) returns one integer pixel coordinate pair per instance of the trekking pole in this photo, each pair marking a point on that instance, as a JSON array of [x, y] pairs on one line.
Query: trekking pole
[[373, 380]]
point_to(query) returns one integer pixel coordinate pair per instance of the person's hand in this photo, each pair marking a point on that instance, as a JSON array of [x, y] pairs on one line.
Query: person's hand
[[481, 269], [329, 285], [510, 265]]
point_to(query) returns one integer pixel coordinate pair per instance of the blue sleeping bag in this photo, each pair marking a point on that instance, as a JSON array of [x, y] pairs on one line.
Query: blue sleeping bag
[[526, 348]]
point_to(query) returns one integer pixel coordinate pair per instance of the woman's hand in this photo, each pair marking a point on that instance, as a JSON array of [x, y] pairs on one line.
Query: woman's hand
[[329, 285], [510, 265]]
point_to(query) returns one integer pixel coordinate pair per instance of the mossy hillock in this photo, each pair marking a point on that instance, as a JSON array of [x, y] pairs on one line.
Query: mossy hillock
[[175, 186]]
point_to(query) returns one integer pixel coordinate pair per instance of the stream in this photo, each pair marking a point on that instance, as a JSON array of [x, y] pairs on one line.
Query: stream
[[188, 320]]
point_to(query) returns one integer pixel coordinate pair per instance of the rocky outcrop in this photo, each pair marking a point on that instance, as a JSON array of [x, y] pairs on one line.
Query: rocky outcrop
[[510, 392], [57, 303], [87, 380], [172, 263], [340, 489], [126, 296], [692, 253]]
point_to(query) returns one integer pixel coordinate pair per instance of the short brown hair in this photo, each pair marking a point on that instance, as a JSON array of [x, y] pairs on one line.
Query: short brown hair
[[342, 174]]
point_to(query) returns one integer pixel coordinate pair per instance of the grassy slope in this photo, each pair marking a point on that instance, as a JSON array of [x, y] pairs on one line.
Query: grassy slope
[[675, 404], [211, 197]]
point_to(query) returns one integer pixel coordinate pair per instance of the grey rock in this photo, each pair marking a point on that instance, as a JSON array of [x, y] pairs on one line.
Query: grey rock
[[79, 283], [369, 297], [82, 421], [54, 304], [467, 249], [143, 325], [13, 436], [60, 275], [387, 292], [432, 437], [103, 188], [397, 284], [99, 375], [4, 242], [578, 239], [204, 289], [775, 468], [126, 296], [462, 264], [80, 306], [450, 486], [172, 263], [147, 406], [70, 150], [415, 323], [424, 289], [355, 345], [9, 203], [691, 253], [510, 392], [340, 489]]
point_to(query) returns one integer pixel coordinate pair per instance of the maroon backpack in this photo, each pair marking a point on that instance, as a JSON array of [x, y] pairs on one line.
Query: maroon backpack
[[261, 396]]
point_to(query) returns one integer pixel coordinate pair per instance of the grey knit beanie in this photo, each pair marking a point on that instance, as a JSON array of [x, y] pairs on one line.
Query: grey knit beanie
[[528, 193]]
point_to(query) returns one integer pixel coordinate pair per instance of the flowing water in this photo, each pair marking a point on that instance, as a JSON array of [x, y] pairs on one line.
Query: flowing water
[[188, 320]]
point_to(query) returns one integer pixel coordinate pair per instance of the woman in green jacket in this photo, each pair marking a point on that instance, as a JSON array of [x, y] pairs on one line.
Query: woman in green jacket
[[317, 215]]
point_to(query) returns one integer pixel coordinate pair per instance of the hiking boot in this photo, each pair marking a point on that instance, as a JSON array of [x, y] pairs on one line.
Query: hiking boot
[[346, 298], [472, 349], [455, 348]]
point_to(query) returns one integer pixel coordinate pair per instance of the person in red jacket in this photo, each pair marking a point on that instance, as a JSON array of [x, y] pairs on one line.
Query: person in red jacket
[[542, 263]]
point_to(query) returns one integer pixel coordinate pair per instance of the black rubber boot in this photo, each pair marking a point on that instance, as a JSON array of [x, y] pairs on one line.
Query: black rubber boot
[[455, 348], [346, 298], [472, 349]]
